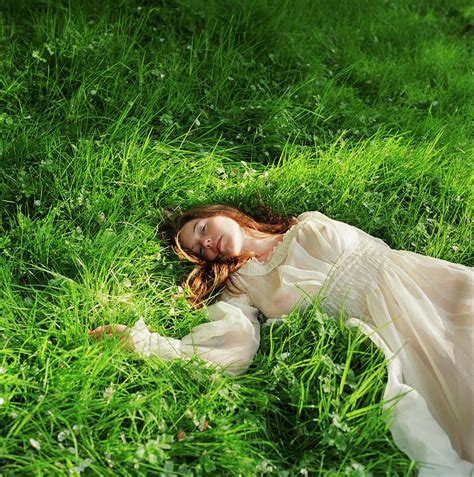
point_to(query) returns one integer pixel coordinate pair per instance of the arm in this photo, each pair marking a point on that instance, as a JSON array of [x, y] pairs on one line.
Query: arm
[[231, 338]]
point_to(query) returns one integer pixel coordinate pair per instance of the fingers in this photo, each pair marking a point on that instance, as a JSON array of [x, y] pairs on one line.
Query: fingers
[[107, 330]]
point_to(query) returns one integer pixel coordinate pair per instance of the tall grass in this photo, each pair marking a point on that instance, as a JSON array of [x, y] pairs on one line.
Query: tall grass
[[112, 111]]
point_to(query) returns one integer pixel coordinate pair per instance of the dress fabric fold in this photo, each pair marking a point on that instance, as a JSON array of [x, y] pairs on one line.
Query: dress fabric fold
[[418, 310]]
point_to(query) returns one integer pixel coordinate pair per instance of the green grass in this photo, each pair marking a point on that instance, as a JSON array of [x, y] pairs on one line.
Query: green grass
[[111, 111]]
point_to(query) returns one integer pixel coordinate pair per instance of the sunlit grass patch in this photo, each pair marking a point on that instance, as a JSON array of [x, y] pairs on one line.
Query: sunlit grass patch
[[112, 112]]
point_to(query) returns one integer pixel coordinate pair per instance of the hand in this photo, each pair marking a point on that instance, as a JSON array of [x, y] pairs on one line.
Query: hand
[[108, 330]]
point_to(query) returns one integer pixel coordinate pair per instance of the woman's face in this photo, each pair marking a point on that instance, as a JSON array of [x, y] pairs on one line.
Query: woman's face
[[212, 237]]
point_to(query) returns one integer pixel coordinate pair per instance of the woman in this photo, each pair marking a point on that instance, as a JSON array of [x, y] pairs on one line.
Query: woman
[[418, 309]]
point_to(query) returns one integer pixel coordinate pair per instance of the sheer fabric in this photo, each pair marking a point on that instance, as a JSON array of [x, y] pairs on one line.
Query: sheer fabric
[[417, 309], [230, 340]]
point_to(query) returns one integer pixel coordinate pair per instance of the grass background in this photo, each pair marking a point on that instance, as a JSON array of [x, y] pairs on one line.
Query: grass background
[[111, 111]]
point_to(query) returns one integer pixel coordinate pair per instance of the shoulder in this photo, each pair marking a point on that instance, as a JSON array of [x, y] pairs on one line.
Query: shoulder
[[311, 214]]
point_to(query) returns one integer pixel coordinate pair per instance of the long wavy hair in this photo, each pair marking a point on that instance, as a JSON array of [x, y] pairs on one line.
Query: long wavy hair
[[207, 277]]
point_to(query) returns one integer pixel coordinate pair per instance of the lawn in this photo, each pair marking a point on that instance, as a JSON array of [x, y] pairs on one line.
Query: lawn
[[112, 111]]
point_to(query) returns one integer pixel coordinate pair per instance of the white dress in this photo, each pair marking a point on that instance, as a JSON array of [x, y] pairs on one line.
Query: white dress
[[419, 310]]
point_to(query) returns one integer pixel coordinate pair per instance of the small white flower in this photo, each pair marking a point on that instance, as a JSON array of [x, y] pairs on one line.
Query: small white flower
[[3, 370], [93, 92], [2, 401], [36, 444], [162, 75], [127, 283], [140, 452], [37, 203], [109, 392], [63, 434], [172, 311]]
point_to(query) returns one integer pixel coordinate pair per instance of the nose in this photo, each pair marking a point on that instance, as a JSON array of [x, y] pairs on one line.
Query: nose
[[206, 242]]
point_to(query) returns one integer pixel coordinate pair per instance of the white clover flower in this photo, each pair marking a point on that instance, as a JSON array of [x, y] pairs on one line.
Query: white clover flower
[[140, 452], [36, 444], [2, 401], [109, 392], [80, 467], [63, 435], [37, 203]]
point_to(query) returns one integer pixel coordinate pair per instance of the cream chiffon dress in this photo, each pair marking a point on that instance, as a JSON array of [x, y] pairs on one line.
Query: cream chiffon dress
[[419, 310]]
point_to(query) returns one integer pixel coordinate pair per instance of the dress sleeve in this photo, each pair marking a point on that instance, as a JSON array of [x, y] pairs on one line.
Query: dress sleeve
[[231, 338]]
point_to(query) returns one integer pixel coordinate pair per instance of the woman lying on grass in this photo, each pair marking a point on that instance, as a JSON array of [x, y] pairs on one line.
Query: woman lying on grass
[[417, 309]]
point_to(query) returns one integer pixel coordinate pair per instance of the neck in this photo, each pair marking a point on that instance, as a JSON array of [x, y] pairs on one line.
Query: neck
[[259, 242]]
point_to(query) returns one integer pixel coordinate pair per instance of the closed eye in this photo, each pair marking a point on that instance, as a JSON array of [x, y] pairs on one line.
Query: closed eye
[[201, 254]]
